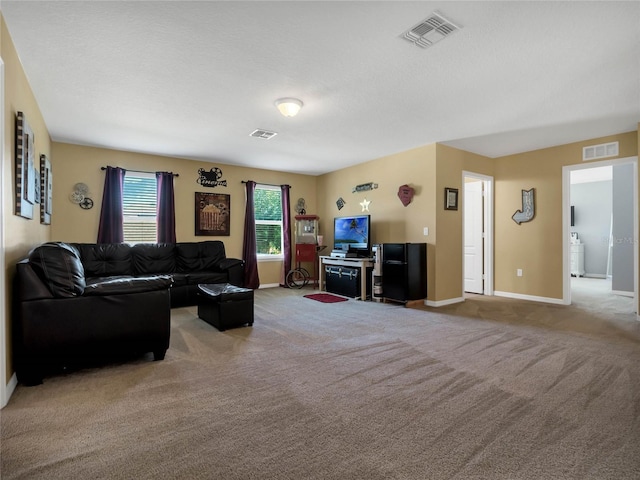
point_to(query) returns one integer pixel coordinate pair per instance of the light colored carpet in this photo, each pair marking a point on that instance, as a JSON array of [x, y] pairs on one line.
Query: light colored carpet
[[488, 389]]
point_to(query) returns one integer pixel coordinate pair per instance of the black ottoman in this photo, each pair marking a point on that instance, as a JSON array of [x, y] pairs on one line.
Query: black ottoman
[[224, 305]]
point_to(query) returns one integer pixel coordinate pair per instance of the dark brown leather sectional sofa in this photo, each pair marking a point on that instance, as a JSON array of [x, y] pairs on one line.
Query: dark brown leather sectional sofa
[[75, 301]]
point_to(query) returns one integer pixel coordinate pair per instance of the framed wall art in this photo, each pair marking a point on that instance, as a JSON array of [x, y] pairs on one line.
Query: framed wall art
[[213, 211], [46, 187], [450, 198], [25, 191]]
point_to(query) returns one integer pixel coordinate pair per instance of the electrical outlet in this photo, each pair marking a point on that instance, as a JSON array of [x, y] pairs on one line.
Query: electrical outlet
[[519, 272], [426, 231]]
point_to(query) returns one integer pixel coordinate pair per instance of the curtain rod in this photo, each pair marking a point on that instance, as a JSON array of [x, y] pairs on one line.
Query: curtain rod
[[142, 171], [267, 184]]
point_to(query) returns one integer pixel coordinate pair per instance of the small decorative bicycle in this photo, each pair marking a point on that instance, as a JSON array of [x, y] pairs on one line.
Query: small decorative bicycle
[[297, 278]]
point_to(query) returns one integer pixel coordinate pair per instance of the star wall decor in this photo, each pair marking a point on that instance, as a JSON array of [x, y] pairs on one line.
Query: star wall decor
[[365, 205]]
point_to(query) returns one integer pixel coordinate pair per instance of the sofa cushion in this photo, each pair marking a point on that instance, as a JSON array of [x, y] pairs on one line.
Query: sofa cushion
[[154, 258], [200, 256], [58, 265], [104, 260], [206, 277], [127, 285]]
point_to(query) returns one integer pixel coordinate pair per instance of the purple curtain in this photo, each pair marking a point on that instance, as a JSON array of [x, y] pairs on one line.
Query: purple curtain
[[110, 229], [251, 279], [166, 211], [286, 233]]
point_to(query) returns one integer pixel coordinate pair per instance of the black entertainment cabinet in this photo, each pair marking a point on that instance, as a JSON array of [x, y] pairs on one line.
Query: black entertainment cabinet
[[404, 271]]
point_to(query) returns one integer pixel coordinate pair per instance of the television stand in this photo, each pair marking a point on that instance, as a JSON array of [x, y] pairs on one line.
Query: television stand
[[354, 262]]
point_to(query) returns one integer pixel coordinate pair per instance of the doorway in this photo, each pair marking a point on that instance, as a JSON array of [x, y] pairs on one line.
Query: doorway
[[600, 228], [477, 233]]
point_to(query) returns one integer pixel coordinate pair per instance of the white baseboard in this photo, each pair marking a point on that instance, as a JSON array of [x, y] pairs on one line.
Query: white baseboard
[[623, 293], [533, 298], [269, 285], [442, 303], [595, 275], [11, 386]]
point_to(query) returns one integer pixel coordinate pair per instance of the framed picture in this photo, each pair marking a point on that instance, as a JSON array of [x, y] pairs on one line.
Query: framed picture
[[213, 211], [25, 194], [450, 198], [46, 187]]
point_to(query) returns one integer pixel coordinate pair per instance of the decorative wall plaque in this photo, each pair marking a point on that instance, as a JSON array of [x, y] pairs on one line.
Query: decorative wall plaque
[[364, 187], [528, 207], [340, 203], [212, 214], [25, 186], [211, 178], [46, 181], [405, 194]]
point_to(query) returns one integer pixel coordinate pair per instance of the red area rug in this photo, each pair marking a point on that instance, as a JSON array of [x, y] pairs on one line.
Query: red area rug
[[326, 298]]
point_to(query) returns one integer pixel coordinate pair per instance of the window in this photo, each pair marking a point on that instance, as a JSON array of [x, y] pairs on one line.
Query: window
[[267, 202], [139, 202]]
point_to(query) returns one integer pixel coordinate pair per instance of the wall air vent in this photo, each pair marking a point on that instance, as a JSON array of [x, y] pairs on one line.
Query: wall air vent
[[603, 150], [430, 31], [262, 134]]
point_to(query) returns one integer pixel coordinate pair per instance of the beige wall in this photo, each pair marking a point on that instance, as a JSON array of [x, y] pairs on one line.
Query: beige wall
[[428, 169], [391, 221], [451, 163], [20, 234], [73, 163], [536, 246]]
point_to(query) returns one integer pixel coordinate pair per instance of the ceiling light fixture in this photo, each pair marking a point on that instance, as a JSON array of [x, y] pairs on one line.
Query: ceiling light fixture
[[289, 107]]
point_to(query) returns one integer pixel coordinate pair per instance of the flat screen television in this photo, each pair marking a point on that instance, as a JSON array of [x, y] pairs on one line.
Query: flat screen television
[[353, 234]]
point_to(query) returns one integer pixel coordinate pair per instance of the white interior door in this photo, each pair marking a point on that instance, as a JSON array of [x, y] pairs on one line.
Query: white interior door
[[473, 241]]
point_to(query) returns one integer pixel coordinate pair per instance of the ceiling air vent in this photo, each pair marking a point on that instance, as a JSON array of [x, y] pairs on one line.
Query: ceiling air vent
[[603, 150], [430, 30], [262, 134]]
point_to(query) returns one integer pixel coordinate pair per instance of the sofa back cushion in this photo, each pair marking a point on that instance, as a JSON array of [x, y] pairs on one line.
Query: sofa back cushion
[[200, 256], [106, 259], [154, 258], [58, 265]]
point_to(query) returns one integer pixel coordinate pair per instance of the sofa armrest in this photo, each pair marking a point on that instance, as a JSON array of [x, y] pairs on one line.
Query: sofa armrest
[[28, 284], [234, 269], [228, 263]]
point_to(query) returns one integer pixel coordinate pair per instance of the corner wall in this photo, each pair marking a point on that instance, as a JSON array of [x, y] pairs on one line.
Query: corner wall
[[74, 163], [428, 169], [391, 221], [536, 246], [20, 234]]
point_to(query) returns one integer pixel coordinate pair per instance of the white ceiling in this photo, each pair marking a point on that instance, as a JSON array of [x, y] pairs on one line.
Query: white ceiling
[[194, 79]]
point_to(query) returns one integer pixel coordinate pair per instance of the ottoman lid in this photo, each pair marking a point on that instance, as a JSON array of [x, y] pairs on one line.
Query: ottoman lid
[[224, 292]]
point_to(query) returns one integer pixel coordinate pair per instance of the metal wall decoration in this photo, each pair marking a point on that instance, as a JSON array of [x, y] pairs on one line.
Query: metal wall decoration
[[301, 207], [212, 214], [340, 203], [405, 194], [25, 194], [364, 187], [46, 186], [528, 207], [211, 178], [80, 196]]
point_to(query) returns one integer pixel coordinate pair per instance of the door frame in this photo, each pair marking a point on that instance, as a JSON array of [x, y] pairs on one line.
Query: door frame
[[487, 222], [566, 219]]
